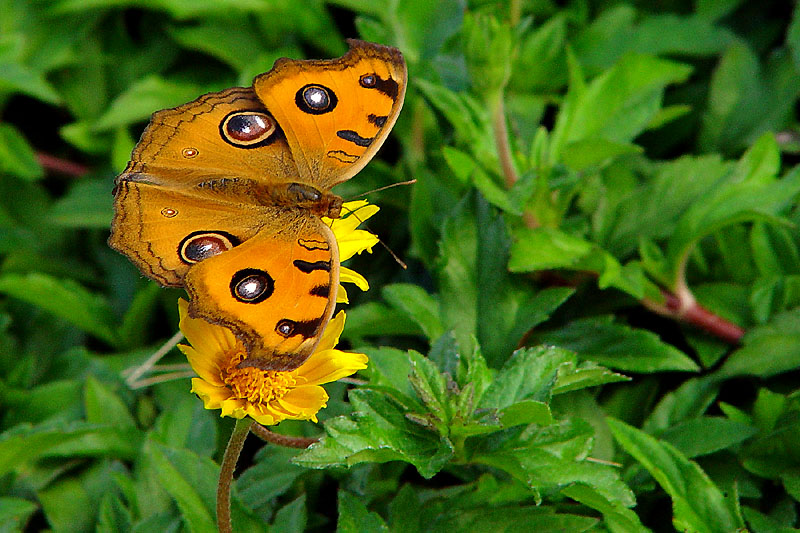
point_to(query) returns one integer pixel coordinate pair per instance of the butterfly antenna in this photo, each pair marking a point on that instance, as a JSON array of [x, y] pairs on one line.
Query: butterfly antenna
[[390, 186], [399, 261]]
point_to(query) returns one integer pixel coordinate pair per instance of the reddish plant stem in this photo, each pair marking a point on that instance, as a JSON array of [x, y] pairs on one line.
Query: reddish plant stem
[[281, 440], [62, 166], [696, 315]]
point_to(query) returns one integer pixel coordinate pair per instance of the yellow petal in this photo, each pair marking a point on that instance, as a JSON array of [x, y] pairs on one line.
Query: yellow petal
[[265, 417], [351, 276], [330, 336], [353, 214], [355, 242], [234, 407], [305, 402], [341, 295], [212, 396], [329, 365], [207, 366], [204, 336]]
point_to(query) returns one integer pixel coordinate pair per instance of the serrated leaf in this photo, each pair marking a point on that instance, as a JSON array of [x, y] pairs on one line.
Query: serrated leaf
[[379, 432], [431, 387], [530, 374], [550, 457], [572, 376]]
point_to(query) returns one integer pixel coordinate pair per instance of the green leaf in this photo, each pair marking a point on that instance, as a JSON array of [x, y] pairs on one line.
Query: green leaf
[[430, 387], [65, 299], [572, 377], [618, 518], [586, 153], [687, 402], [143, 97], [237, 48], [652, 210], [16, 77], [291, 517], [14, 513], [373, 318], [191, 481], [71, 503], [547, 248], [530, 374], [618, 104], [526, 412], [767, 350], [389, 368], [418, 305], [550, 457], [706, 435], [736, 86], [273, 475], [86, 205], [16, 155], [618, 346], [379, 432], [725, 205], [105, 407], [354, 517], [697, 503], [180, 9]]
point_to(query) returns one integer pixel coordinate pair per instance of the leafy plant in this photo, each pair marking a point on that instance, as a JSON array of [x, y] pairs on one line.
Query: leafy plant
[[598, 329]]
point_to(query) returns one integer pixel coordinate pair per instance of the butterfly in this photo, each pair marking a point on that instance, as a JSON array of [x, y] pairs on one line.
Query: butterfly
[[223, 195]]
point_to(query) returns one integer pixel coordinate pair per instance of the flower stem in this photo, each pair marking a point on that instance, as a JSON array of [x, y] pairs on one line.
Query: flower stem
[[281, 440], [229, 460]]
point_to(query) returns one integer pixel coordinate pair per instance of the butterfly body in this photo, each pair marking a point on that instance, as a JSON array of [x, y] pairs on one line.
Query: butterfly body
[[223, 195]]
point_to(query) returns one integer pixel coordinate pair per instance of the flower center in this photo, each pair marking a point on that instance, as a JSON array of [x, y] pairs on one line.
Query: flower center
[[253, 384]]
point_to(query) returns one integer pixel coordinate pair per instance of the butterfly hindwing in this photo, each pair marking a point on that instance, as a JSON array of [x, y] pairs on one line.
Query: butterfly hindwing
[[276, 291]]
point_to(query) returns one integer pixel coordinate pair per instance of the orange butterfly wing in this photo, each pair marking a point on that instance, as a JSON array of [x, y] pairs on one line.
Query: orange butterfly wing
[[221, 195], [336, 114], [277, 291]]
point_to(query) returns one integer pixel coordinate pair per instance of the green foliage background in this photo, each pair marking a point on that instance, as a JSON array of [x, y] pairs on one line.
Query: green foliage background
[[568, 382]]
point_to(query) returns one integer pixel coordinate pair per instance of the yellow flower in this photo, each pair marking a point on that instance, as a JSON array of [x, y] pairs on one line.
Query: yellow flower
[[352, 241], [267, 396]]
